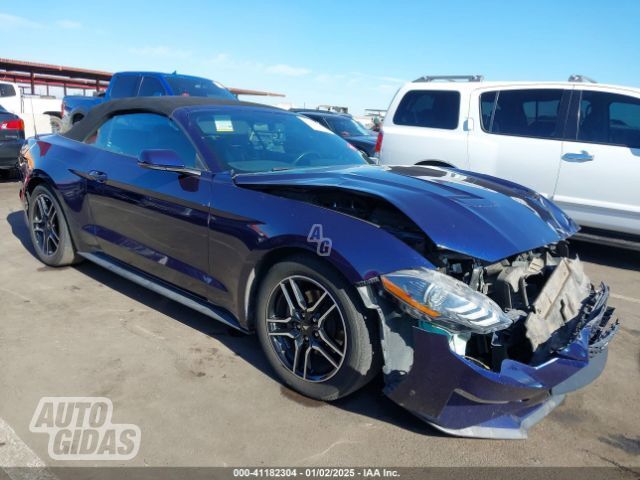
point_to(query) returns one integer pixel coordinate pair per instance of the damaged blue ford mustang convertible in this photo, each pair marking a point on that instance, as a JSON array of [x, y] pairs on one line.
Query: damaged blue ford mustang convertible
[[459, 287]]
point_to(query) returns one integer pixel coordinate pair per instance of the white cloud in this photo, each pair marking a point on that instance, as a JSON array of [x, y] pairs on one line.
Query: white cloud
[[359, 81], [160, 51], [329, 77], [386, 88], [221, 58], [288, 70], [8, 21], [69, 24], [224, 60], [393, 80]]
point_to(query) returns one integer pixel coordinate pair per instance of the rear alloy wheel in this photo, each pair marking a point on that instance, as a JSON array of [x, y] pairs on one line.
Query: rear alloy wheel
[[314, 331], [49, 230]]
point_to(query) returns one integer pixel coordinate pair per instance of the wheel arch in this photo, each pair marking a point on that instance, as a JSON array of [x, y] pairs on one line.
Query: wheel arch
[[256, 276], [38, 177]]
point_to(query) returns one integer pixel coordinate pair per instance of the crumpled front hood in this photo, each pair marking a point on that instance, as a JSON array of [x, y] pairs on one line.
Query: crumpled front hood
[[477, 215]]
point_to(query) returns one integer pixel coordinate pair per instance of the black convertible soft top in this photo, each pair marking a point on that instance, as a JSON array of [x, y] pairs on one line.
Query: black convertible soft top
[[161, 105]]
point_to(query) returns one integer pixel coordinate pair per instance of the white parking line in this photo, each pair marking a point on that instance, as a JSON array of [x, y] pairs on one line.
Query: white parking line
[[626, 299], [15, 455]]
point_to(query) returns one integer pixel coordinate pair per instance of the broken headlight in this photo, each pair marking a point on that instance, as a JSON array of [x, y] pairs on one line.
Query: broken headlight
[[445, 301]]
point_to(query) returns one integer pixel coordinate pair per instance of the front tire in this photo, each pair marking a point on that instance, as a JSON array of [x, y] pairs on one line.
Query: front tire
[[314, 331], [49, 230]]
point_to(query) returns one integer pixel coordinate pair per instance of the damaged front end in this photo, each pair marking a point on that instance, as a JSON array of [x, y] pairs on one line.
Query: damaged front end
[[487, 350]]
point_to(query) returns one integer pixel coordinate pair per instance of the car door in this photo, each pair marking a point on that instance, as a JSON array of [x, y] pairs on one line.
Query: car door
[[156, 221], [517, 134], [600, 168]]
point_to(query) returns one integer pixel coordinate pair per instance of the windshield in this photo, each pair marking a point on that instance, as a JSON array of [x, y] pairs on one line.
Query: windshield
[[250, 140], [197, 87], [346, 127]]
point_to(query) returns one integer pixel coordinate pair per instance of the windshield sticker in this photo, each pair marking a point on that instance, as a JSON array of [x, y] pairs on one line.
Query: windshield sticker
[[224, 124]]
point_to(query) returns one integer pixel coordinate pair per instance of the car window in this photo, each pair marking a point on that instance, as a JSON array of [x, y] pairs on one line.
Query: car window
[[130, 134], [432, 109], [7, 90], [258, 140], [317, 119], [151, 87], [197, 87], [529, 113], [609, 119], [346, 127], [487, 104], [124, 86]]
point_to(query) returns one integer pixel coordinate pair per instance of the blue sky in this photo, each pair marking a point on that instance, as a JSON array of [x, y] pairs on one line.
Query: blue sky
[[353, 53]]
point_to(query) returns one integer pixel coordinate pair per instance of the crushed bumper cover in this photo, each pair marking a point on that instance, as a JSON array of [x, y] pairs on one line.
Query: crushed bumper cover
[[458, 396]]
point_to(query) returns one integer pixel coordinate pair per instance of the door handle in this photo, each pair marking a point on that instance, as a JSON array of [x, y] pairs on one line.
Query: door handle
[[100, 177], [583, 156]]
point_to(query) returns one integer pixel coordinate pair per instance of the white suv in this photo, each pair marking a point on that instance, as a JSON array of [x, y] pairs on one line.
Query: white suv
[[575, 142]]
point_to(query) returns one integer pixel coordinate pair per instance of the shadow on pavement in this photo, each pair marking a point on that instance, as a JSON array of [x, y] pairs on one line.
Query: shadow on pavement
[[6, 177], [19, 229], [607, 256], [369, 401]]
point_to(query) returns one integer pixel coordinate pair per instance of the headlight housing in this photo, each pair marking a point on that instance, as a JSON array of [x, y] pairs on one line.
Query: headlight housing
[[445, 301]]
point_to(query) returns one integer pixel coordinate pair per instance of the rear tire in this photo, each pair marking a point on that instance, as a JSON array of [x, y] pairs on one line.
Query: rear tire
[[328, 329], [49, 230]]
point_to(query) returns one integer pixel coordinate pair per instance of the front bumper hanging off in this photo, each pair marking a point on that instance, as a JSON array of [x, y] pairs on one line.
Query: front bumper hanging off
[[459, 396]]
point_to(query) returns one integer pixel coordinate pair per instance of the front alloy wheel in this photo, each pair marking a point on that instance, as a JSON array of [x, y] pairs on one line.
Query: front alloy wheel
[[306, 328], [314, 330]]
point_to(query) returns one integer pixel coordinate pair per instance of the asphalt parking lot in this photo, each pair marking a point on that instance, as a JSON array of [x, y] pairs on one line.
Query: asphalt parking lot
[[203, 395]]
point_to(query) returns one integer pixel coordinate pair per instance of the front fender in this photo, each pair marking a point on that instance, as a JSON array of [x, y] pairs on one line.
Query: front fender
[[360, 251], [262, 224]]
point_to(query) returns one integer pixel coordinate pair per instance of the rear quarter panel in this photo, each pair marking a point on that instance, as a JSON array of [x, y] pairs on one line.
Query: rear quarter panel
[[59, 163]]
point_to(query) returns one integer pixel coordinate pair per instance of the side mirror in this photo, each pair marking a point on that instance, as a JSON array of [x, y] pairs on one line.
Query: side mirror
[[165, 160]]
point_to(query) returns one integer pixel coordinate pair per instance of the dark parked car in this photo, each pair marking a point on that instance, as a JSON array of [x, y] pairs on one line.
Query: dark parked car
[[458, 286], [345, 126], [11, 140]]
